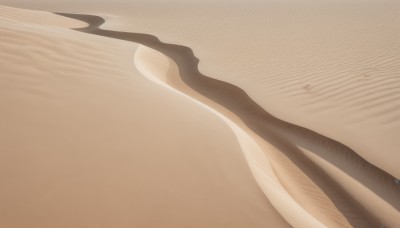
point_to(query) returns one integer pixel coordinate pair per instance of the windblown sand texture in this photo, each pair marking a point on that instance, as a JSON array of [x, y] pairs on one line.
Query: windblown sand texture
[[173, 115]]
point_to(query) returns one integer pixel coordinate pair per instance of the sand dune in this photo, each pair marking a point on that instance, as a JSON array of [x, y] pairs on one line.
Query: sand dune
[[87, 141], [156, 66], [137, 117], [305, 62], [378, 195]]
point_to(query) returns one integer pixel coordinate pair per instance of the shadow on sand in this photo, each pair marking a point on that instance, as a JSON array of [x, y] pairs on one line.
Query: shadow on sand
[[284, 136]]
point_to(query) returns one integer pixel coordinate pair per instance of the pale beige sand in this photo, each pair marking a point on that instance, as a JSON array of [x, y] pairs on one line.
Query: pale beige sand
[[38, 18], [331, 66], [375, 201], [87, 141], [310, 180]]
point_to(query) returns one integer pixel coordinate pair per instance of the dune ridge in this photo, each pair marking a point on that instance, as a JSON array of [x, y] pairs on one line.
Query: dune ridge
[[363, 193], [254, 154], [83, 138], [83, 142], [304, 61]]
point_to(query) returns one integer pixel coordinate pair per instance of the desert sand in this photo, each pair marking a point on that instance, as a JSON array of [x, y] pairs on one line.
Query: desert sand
[[200, 114]]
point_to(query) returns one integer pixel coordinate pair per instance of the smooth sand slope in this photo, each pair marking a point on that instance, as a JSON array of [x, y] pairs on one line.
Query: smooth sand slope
[[330, 66], [88, 141], [350, 168], [307, 178], [254, 117]]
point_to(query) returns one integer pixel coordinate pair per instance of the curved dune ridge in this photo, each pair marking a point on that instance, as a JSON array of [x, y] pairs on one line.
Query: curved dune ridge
[[330, 66], [328, 179], [148, 61], [83, 140], [87, 141]]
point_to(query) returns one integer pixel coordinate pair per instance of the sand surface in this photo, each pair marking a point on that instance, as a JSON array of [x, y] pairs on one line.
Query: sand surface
[[266, 114], [87, 141], [305, 62]]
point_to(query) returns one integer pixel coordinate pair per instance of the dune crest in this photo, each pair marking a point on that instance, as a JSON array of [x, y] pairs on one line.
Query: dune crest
[[329, 66], [128, 132], [156, 67], [315, 184], [87, 141]]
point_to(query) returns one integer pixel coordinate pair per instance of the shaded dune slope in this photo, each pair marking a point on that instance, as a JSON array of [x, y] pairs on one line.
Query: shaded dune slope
[[374, 201], [158, 68], [78, 129]]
